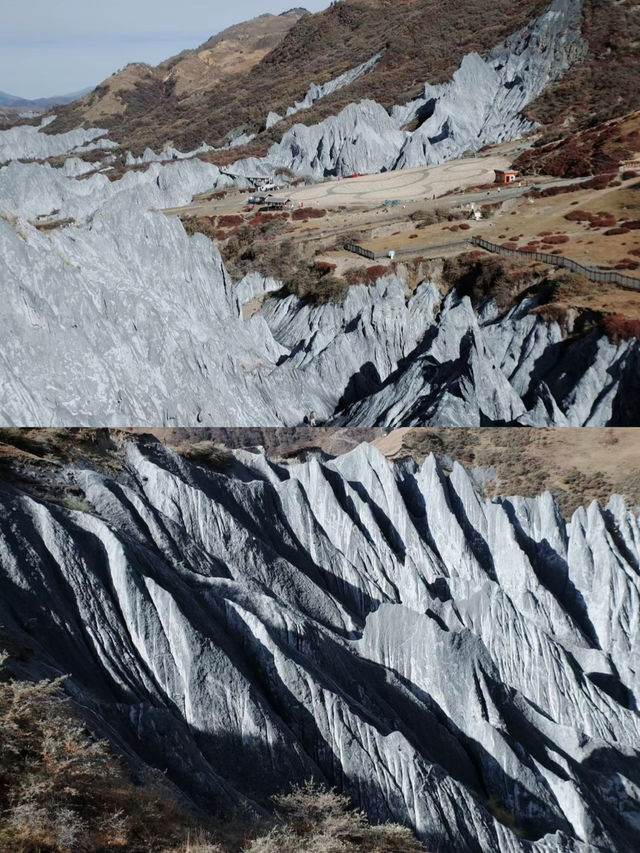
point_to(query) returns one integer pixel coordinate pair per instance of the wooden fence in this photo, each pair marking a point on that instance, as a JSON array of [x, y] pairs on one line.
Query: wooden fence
[[410, 250], [592, 273]]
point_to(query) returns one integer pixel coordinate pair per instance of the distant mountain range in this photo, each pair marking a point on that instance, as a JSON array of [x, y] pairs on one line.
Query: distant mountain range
[[15, 102]]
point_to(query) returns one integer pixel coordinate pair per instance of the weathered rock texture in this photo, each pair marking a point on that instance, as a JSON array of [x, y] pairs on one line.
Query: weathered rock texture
[[29, 143], [122, 319], [482, 104], [125, 320], [465, 666]]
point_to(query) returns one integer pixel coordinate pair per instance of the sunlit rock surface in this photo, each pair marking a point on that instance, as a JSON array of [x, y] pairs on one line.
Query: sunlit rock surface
[[119, 318], [125, 320], [482, 104], [468, 667], [31, 143]]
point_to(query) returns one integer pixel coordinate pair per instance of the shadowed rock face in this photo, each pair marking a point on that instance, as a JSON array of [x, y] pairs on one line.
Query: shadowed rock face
[[445, 659], [125, 320], [121, 319]]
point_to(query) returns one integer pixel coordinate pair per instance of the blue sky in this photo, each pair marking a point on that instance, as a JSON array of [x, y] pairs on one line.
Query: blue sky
[[51, 47]]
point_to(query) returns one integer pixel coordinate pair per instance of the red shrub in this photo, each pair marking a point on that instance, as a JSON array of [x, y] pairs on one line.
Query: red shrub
[[324, 267], [613, 231], [376, 272], [510, 245], [600, 182], [635, 252], [634, 224], [556, 239], [464, 226], [603, 222], [579, 216], [617, 327], [629, 174], [305, 213]]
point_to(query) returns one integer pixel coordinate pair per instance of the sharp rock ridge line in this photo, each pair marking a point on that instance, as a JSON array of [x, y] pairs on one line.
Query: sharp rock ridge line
[[445, 659]]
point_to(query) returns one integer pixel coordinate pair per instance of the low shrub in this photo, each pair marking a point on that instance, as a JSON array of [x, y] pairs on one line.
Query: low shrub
[[480, 276], [324, 267], [618, 328], [612, 232], [376, 272], [314, 820], [305, 213], [579, 216], [555, 239], [230, 221]]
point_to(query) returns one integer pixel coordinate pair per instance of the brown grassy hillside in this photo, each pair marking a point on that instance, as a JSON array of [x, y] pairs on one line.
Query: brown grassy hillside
[[126, 96], [598, 149], [423, 39], [273, 60], [607, 83]]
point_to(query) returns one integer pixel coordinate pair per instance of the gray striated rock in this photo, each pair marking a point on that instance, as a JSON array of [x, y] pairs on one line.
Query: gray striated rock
[[449, 661], [484, 101], [169, 153], [29, 143], [125, 320], [317, 93], [32, 189], [482, 104], [510, 369], [362, 138]]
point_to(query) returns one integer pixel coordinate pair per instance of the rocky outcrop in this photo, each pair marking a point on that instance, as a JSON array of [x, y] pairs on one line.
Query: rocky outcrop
[[119, 320], [487, 369], [317, 93], [169, 153], [31, 189], [462, 665], [482, 104], [30, 143]]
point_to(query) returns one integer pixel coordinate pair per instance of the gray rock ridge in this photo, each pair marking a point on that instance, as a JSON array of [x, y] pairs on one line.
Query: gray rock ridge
[[317, 93], [511, 369], [123, 319], [29, 143], [441, 657], [482, 104]]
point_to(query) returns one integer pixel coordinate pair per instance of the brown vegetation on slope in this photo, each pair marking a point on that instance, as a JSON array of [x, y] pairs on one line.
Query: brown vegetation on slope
[[128, 94], [63, 790], [594, 151], [424, 40], [607, 83]]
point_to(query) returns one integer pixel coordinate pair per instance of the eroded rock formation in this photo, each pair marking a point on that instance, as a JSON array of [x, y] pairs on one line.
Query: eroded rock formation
[[466, 666]]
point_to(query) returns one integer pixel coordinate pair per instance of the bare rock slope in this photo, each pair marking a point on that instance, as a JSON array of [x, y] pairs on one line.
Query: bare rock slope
[[467, 667]]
